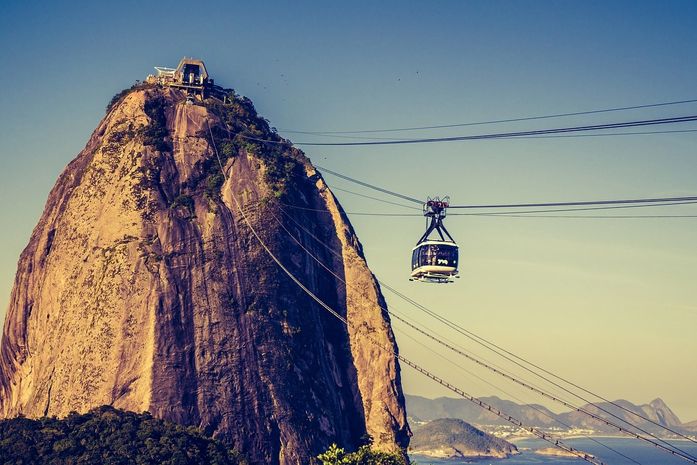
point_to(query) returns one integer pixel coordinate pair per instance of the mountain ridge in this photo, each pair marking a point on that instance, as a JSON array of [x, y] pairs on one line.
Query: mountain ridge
[[657, 410]]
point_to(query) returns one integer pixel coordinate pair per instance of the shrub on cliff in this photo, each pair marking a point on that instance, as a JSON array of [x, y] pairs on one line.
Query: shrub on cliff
[[154, 134], [335, 455], [243, 128], [120, 96], [108, 436]]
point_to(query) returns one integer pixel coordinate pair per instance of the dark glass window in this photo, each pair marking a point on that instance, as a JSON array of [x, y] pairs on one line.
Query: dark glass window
[[435, 255]]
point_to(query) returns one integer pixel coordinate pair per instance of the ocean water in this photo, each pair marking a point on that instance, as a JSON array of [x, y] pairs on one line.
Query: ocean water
[[641, 452]]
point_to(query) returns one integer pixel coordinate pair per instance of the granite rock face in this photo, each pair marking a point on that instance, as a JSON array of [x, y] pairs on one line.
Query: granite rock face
[[142, 287]]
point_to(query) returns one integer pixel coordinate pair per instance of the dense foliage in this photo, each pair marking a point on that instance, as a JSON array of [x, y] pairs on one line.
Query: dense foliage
[[335, 455], [154, 134], [243, 128], [108, 436]]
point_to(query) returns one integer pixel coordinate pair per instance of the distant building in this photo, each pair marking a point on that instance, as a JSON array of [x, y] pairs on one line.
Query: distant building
[[190, 74]]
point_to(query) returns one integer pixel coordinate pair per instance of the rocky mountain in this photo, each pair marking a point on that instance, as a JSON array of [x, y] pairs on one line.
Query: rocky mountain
[[536, 415], [454, 438], [448, 407], [143, 287], [656, 411]]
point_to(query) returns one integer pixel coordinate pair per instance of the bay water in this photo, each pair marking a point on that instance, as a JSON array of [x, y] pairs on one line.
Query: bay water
[[641, 452]]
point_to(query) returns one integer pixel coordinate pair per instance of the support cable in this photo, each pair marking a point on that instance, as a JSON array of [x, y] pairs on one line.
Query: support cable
[[515, 359], [507, 120], [519, 205], [371, 186], [411, 325], [540, 434], [559, 136], [488, 344], [375, 198], [521, 214], [677, 452], [583, 203], [497, 135]]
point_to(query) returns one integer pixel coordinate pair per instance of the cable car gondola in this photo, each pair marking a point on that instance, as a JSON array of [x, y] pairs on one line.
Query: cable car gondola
[[433, 260]]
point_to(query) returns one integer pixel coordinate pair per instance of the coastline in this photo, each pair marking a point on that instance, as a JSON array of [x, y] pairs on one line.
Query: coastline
[[589, 436], [528, 448]]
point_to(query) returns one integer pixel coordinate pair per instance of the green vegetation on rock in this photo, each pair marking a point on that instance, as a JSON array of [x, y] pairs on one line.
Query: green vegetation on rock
[[459, 438], [108, 436], [243, 129], [122, 94], [183, 200], [154, 134], [118, 97], [335, 455]]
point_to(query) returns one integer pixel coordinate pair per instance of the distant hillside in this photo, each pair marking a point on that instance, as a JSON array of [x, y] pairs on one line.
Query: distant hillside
[[453, 438], [656, 411], [536, 415], [107, 435], [447, 407], [691, 426]]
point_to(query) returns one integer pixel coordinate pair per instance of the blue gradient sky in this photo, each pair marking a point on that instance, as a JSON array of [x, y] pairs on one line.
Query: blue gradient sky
[[609, 303]]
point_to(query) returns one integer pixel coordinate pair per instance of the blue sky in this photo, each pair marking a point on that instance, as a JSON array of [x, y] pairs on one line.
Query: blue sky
[[609, 302]]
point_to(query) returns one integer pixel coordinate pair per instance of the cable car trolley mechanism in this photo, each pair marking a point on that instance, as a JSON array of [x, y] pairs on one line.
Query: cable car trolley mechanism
[[433, 260]]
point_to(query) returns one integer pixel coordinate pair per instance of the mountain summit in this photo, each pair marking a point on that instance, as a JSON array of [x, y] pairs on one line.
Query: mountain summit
[[143, 287]]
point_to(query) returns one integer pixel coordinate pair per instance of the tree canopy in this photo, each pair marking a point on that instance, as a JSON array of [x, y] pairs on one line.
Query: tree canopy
[[111, 437]]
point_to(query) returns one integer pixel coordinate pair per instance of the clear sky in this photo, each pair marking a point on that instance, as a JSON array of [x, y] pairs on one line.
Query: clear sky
[[609, 303]]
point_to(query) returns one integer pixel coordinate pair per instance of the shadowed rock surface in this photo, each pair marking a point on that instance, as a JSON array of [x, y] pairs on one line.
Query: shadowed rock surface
[[143, 288]]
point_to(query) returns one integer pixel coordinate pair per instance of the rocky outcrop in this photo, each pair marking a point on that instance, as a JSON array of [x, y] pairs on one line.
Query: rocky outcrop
[[143, 288], [452, 438]]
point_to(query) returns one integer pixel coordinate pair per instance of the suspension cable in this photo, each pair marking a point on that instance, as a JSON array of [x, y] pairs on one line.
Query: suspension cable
[[673, 200], [638, 123], [522, 214], [391, 351], [488, 345], [371, 186], [519, 213], [552, 136], [374, 198], [678, 452], [538, 409], [499, 135], [582, 203], [506, 353], [507, 120], [392, 313]]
